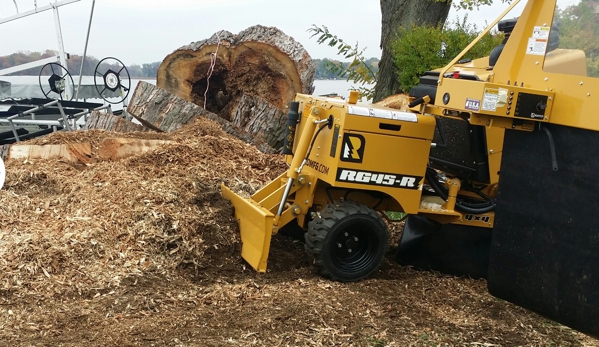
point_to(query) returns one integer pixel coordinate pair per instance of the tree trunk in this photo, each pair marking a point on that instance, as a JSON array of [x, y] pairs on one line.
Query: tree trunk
[[160, 110], [397, 14], [259, 61], [110, 122]]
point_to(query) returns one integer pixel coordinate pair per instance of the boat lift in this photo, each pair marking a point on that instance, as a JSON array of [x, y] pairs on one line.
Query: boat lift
[[14, 112], [56, 114], [62, 56]]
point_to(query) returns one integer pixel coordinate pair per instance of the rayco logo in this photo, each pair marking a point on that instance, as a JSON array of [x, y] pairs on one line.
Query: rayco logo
[[353, 148], [378, 179]]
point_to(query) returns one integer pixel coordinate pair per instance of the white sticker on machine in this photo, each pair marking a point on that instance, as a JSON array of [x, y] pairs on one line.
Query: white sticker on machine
[[381, 113], [490, 99], [541, 32], [537, 46]]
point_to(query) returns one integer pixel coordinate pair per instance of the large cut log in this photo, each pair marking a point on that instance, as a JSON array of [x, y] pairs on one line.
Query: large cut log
[[110, 122], [259, 62], [119, 148], [74, 152], [160, 110]]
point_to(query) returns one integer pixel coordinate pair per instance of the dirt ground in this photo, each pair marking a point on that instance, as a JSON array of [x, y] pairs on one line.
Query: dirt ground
[[146, 252]]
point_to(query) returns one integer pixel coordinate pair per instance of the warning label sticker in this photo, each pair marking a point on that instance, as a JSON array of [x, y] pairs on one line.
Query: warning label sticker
[[536, 46], [541, 32], [490, 99]]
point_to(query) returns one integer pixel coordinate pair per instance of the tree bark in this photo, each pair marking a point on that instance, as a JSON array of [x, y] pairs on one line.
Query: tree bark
[[259, 61], [395, 15], [110, 122], [160, 110], [257, 116]]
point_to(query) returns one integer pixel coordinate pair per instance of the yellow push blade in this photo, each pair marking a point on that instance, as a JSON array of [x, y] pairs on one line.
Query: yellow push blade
[[255, 226]]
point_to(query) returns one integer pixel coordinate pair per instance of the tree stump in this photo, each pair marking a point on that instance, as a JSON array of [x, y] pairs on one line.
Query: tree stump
[[260, 65]]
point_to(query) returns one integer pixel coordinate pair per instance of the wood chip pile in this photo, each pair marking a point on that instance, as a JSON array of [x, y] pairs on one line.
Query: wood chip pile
[[73, 228], [144, 251]]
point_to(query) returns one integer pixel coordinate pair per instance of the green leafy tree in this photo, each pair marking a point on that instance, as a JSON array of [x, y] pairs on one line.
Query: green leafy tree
[[418, 49], [424, 48], [397, 14], [578, 27], [471, 4]]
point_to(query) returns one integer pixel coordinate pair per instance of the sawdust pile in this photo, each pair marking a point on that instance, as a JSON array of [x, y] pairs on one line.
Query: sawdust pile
[[74, 228], [145, 252]]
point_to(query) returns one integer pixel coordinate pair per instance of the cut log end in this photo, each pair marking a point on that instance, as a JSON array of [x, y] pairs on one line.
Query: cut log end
[[260, 61]]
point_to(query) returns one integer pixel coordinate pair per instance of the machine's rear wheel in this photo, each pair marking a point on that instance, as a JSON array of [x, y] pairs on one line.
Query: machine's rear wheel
[[347, 241]]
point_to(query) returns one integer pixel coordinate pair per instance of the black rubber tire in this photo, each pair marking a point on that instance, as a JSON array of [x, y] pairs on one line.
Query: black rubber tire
[[347, 241]]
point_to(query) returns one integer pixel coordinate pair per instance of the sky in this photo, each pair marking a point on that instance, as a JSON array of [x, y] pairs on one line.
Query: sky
[[144, 31]]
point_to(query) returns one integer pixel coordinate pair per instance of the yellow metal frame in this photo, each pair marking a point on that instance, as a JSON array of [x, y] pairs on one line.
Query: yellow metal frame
[[573, 95], [379, 156]]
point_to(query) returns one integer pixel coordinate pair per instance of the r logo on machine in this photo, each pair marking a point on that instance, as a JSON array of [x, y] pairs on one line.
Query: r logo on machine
[[473, 105], [353, 148], [2, 173]]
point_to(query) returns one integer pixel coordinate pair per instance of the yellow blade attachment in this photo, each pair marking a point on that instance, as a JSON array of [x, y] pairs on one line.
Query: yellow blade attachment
[[255, 226]]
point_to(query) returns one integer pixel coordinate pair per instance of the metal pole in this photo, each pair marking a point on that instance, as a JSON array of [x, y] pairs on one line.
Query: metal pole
[[89, 27], [37, 10], [62, 54]]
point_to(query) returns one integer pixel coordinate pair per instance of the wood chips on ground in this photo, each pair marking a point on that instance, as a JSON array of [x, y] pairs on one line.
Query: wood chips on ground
[[145, 252]]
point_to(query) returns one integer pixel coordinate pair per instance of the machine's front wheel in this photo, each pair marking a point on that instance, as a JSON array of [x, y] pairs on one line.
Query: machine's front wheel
[[347, 241]]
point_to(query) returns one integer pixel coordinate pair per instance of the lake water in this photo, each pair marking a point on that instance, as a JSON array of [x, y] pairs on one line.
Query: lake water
[[339, 87], [28, 86]]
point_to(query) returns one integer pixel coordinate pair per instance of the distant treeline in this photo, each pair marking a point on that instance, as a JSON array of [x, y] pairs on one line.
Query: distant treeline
[[73, 65], [324, 73], [149, 70]]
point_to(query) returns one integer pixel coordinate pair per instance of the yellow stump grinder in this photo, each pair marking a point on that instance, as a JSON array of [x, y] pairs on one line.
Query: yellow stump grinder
[[527, 113]]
